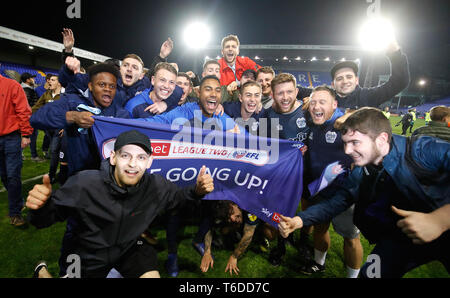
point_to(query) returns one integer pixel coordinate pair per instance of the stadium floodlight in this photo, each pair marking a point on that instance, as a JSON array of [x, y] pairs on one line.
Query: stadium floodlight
[[327, 59], [256, 58], [343, 59], [376, 34], [313, 59], [197, 35], [422, 82], [298, 58], [207, 58], [285, 58], [31, 47]]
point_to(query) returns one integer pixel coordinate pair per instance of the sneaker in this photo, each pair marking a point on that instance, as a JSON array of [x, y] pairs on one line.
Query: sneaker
[[38, 268], [172, 265], [276, 256], [113, 273], [17, 220], [312, 267]]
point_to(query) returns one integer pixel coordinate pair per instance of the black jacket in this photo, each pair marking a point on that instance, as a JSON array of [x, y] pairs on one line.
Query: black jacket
[[110, 219], [31, 96], [406, 119], [374, 96]]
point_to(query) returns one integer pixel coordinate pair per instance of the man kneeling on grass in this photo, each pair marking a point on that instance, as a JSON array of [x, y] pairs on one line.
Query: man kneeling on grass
[[114, 205]]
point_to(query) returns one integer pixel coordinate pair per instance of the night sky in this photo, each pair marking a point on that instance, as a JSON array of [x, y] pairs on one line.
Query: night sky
[[116, 28]]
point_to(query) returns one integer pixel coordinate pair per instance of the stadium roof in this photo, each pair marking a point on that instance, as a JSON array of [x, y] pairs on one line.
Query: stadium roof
[[268, 29], [32, 40]]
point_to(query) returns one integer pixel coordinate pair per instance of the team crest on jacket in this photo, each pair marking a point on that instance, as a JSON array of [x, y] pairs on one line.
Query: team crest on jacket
[[330, 137], [301, 137], [301, 122], [252, 217]]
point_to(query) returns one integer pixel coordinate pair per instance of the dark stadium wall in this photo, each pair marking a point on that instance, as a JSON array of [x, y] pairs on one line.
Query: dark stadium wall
[[20, 53], [14, 52]]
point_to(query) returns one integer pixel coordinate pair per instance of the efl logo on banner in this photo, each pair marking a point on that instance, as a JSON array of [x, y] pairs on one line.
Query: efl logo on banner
[[276, 217]]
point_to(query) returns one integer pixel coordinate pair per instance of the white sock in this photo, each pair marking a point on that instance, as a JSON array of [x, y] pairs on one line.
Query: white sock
[[320, 256], [352, 273]]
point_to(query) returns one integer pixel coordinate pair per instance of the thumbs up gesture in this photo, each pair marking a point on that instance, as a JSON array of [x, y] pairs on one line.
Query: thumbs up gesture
[[39, 194], [205, 183], [423, 227], [288, 225]]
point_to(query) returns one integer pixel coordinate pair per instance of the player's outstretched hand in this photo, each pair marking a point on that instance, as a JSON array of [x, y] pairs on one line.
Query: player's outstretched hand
[[288, 225]]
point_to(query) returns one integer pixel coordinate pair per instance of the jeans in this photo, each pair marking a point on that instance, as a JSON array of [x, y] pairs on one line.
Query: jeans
[[173, 225], [206, 221], [10, 170], [33, 138], [45, 142], [404, 129], [67, 246], [411, 125]]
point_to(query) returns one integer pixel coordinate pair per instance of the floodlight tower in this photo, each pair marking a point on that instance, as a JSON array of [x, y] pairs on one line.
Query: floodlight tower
[[375, 36], [196, 37]]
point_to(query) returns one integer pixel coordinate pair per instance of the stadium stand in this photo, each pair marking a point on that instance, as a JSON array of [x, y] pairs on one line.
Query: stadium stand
[[13, 71], [309, 79], [426, 106]]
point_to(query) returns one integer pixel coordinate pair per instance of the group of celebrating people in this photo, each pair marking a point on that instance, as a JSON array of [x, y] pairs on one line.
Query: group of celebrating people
[[395, 190]]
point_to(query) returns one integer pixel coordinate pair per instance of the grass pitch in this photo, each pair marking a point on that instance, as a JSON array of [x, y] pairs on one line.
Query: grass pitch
[[22, 248]]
